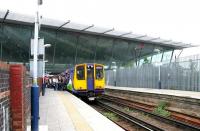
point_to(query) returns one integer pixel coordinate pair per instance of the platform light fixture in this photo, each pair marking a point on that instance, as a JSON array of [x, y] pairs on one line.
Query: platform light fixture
[[47, 45]]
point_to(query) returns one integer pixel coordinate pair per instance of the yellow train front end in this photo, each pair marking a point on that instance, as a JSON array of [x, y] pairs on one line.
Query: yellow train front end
[[89, 80]]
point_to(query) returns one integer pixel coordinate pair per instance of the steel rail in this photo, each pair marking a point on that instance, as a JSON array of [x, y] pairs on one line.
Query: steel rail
[[130, 118], [121, 102]]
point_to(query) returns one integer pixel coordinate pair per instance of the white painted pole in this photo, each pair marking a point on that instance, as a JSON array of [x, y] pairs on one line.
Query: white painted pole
[[35, 49], [35, 88]]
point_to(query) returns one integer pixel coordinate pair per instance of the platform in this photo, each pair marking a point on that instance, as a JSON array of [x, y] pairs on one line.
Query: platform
[[61, 111], [179, 93]]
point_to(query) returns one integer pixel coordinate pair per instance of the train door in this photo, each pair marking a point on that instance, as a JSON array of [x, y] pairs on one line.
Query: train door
[[90, 77], [80, 78], [99, 76]]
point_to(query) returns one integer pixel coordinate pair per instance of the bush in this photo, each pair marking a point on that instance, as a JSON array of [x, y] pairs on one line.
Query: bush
[[161, 109], [110, 116]]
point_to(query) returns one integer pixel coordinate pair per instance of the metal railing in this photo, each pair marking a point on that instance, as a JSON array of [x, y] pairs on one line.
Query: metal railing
[[183, 74]]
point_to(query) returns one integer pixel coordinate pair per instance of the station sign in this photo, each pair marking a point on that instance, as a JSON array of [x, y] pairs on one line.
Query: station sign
[[40, 68], [40, 46]]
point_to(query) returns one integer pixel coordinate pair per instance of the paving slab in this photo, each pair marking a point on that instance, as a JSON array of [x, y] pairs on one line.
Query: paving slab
[[53, 113], [62, 111]]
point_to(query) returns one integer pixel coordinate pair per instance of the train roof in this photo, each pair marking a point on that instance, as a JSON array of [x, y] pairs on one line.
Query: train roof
[[89, 64]]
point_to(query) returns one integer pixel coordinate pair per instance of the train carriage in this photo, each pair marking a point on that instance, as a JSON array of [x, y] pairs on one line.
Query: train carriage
[[87, 80]]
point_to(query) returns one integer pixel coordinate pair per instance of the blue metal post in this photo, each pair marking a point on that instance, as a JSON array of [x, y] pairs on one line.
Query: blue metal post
[[34, 108]]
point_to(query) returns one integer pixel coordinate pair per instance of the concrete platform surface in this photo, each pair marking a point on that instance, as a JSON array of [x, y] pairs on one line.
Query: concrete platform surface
[[61, 111], [179, 93]]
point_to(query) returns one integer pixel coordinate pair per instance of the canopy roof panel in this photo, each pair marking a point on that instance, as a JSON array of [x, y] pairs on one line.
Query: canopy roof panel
[[9, 16], [74, 43]]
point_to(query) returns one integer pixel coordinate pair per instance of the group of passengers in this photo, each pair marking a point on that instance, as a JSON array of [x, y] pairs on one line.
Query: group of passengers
[[57, 82]]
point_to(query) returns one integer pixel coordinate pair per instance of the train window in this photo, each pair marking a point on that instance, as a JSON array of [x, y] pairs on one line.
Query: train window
[[80, 72], [99, 72]]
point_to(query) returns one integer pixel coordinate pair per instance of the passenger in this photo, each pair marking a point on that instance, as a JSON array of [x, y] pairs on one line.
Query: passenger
[[44, 85], [50, 82], [59, 83], [67, 77], [46, 80], [55, 83], [62, 82]]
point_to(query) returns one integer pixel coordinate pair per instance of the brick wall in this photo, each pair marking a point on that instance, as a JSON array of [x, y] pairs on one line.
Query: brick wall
[[4, 97], [20, 95], [15, 97]]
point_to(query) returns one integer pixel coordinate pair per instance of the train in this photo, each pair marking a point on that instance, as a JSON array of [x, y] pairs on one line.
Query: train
[[86, 80]]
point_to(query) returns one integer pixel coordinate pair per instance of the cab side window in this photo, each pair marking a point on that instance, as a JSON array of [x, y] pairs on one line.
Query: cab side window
[[99, 72], [80, 72]]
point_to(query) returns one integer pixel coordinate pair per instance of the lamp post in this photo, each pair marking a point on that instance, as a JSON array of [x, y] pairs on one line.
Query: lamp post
[[159, 64], [43, 71], [35, 88]]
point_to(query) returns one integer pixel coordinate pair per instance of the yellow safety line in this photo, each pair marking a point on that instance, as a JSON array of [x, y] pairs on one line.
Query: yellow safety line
[[78, 121]]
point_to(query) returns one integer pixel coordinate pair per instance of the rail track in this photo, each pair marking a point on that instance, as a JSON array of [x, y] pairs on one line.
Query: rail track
[[129, 118], [147, 109]]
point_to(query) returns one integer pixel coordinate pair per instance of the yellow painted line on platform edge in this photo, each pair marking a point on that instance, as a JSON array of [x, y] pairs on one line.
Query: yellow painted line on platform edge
[[78, 121]]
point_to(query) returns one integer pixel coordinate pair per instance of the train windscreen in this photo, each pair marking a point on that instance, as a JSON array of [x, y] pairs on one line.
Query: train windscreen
[[99, 72], [80, 72]]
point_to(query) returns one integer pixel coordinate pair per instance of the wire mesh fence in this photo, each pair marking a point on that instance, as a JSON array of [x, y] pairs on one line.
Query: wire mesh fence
[[182, 74]]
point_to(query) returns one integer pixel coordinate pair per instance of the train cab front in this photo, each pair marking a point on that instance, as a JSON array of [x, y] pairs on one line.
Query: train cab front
[[95, 80], [90, 80]]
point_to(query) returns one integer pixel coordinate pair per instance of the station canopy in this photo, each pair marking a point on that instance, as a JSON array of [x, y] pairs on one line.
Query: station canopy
[[74, 43]]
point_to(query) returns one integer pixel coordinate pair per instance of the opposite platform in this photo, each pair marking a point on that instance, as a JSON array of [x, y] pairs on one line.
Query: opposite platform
[[61, 111], [179, 93]]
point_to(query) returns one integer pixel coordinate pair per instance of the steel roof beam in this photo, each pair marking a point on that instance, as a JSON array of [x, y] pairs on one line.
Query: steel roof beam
[[125, 34], [188, 44], [5, 16], [154, 39], [63, 24], [180, 53], [140, 37], [177, 43], [108, 31], [166, 41], [87, 27]]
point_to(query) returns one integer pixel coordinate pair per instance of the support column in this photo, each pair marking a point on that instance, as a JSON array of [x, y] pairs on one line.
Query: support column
[[76, 52], [112, 52], [152, 54], [95, 50], [172, 56], [162, 56], [54, 49], [2, 29]]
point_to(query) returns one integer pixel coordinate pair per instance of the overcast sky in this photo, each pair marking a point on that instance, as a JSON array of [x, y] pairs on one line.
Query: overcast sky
[[178, 20]]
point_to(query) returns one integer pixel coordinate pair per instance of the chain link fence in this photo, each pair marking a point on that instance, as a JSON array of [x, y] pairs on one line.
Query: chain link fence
[[182, 74]]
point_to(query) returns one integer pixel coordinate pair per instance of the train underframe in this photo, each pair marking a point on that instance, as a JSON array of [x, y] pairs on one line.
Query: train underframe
[[90, 94]]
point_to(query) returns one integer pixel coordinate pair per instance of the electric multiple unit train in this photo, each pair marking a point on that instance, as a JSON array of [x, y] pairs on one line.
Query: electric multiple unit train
[[86, 80]]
